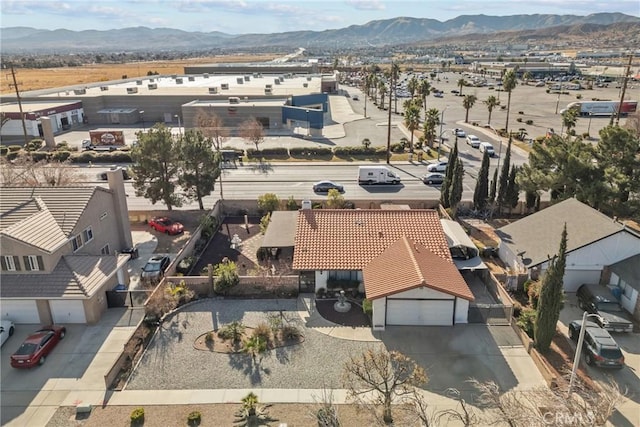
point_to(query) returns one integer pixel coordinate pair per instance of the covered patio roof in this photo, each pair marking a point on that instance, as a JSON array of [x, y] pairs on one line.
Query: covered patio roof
[[281, 231]]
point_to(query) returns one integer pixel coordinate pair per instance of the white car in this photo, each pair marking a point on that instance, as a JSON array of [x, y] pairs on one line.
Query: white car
[[473, 141], [6, 330], [459, 133], [437, 167]]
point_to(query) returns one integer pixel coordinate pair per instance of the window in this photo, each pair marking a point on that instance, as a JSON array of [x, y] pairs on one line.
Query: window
[[10, 263], [87, 235], [103, 215], [33, 263], [105, 250], [77, 242]]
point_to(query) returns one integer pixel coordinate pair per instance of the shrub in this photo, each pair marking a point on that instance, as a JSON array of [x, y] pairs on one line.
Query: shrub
[[34, 144], [526, 321], [272, 151], [520, 112], [268, 202], [397, 148], [578, 96], [184, 266], [64, 145], [262, 331], [529, 122], [208, 338], [60, 156], [137, 416], [310, 152], [291, 204], [262, 254], [226, 277], [39, 156], [264, 222], [519, 120], [353, 151], [367, 307], [14, 148], [321, 292], [289, 332], [194, 418], [3, 150], [585, 135], [233, 331]]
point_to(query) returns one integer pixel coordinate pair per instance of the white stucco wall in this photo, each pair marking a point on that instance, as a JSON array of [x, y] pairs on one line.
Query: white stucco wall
[[378, 317], [321, 279], [462, 311]]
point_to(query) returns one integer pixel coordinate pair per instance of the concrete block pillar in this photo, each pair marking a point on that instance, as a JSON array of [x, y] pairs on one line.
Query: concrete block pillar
[[47, 129]]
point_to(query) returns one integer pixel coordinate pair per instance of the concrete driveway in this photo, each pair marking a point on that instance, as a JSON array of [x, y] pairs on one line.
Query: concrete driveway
[[628, 378], [451, 355]]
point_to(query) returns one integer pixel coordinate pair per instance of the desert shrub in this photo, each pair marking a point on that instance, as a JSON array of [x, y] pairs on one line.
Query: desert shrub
[[264, 222], [309, 152], [529, 122], [14, 148], [398, 147], [367, 307], [289, 332], [272, 151], [262, 331], [64, 145], [60, 156], [262, 254], [519, 120], [353, 151], [578, 96], [291, 204], [526, 321], [39, 156], [34, 144], [3, 150], [233, 331], [194, 418], [226, 277], [209, 337], [520, 112], [137, 416]]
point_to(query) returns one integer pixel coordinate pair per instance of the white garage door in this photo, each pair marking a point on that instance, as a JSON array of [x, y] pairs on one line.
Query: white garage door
[[20, 311], [419, 312], [67, 311], [574, 278]]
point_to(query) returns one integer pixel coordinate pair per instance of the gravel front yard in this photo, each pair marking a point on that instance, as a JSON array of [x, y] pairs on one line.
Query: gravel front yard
[[171, 361]]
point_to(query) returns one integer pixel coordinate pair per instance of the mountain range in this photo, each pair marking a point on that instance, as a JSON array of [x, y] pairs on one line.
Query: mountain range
[[401, 30]]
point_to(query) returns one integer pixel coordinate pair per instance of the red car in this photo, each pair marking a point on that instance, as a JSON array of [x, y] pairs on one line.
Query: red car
[[165, 225], [37, 346]]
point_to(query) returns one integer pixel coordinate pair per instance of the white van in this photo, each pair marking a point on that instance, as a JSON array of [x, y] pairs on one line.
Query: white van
[[377, 175], [486, 146], [473, 141]]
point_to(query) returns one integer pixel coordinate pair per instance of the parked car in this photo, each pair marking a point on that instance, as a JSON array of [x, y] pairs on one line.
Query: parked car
[[165, 225], [488, 148], [437, 167], [598, 299], [438, 94], [599, 347], [125, 173], [459, 133], [355, 98], [433, 178], [154, 269], [325, 186], [7, 328], [473, 141], [37, 346]]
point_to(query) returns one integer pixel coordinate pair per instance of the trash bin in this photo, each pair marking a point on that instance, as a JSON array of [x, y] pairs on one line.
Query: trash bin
[[120, 287], [131, 251]]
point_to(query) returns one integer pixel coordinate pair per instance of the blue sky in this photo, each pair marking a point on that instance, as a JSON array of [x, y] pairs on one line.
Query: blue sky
[[270, 16]]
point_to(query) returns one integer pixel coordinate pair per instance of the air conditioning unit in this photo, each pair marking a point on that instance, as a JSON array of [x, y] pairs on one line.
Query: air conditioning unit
[[152, 86], [132, 90], [213, 90]]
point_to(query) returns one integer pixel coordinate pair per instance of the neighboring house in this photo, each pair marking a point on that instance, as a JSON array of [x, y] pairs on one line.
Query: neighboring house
[[594, 241], [60, 251], [400, 257], [625, 275]]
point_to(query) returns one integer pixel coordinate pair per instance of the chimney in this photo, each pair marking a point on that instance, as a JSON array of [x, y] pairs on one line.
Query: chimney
[[306, 204], [116, 185]]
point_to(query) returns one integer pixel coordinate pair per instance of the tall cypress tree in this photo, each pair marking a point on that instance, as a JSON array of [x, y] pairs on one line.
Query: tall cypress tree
[[456, 185], [551, 297], [513, 189], [494, 183], [445, 190], [504, 178], [481, 192]]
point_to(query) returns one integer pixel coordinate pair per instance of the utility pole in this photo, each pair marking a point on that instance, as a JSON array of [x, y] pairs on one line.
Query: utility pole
[[624, 88], [15, 85], [389, 120]]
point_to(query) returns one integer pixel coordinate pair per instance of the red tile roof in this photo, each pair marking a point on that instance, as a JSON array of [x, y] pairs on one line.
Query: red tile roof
[[407, 265], [344, 239]]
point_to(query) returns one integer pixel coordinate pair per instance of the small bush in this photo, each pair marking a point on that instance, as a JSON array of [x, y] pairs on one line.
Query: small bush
[[291, 204], [289, 332], [519, 120], [264, 222], [578, 96], [262, 254], [233, 331], [529, 122], [61, 156], [526, 321], [14, 148], [3, 150], [137, 416], [367, 307], [39, 156], [194, 418], [321, 292], [520, 112], [398, 147], [273, 151], [262, 331], [34, 144], [208, 338]]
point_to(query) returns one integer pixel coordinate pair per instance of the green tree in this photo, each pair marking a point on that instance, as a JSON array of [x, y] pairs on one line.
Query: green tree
[[226, 277], [504, 179], [551, 298], [513, 189], [156, 166], [445, 190], [431, 122], [382, 375], [526, 77], [424, 90], [292, 205], [268, 202], [411, 119], [456, 186], [509, 82], [569, 119], [200, 166], [468, 103], [413, 86], [382, 89], [481, 192], [335, 200], [395, 74], [461, 83], [491, 103], [494, 185]]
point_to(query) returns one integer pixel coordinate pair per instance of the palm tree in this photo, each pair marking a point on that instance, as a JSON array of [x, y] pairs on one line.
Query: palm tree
[[382, 88], [395, 74], [527, 76], [491, 102], [431, 121], [467, 103], [411, 118], [413, 86], [461, 83], [569, 119], [424, 90], [509, 82]]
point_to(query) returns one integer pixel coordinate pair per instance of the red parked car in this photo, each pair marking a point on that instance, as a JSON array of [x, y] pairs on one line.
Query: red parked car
[[165, 225], [37, 346]]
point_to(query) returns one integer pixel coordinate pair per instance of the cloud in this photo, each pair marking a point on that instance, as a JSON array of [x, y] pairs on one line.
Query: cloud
[[366, 4]]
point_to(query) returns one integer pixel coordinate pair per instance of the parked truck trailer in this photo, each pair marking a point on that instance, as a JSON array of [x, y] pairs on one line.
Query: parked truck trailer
[[110, 140], [377, 175], [602, 108]]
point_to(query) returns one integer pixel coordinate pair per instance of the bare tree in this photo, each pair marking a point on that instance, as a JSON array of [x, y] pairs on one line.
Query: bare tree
[[24, 172], [252, 131], [325, 411], [212, 127], [383, 376]]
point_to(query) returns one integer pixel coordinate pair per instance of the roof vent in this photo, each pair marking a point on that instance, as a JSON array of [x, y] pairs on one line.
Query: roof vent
[[380, 234], [306, 204]]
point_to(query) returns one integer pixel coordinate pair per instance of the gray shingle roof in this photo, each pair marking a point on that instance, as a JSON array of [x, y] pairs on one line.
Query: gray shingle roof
[[75, 276], [39, 230], [537, 236], [281, 232]]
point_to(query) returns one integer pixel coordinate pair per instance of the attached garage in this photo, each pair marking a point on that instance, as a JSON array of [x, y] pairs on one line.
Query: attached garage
[[20, 311], [417, 312], [67, 311]]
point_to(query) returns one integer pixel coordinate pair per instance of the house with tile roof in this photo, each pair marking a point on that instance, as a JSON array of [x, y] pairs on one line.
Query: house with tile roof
[[400, 258], [61, 251], [594, 241]]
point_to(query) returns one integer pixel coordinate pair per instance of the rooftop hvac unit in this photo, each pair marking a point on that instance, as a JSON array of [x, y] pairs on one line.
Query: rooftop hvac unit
[[79, 91], [305, 84], [174, 76], [276, 81], [132, 90], [104, 88], [139, 82], [268, 86], [306, 204], [247, 78], [152, 80], [281, 78], [179, 81], [205, 75], [308, 78], [240, 80], [213, 90], [234, 100], [224, 86], [192, 78], [152, 86]]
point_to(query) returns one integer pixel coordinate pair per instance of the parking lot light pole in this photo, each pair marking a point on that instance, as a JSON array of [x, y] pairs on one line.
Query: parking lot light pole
[[442, 123], [141, 112], [589, 127], [576, 359], [179, 124]]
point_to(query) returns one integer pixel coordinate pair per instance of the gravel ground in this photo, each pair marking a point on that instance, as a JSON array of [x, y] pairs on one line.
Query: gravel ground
[[171, 361]]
